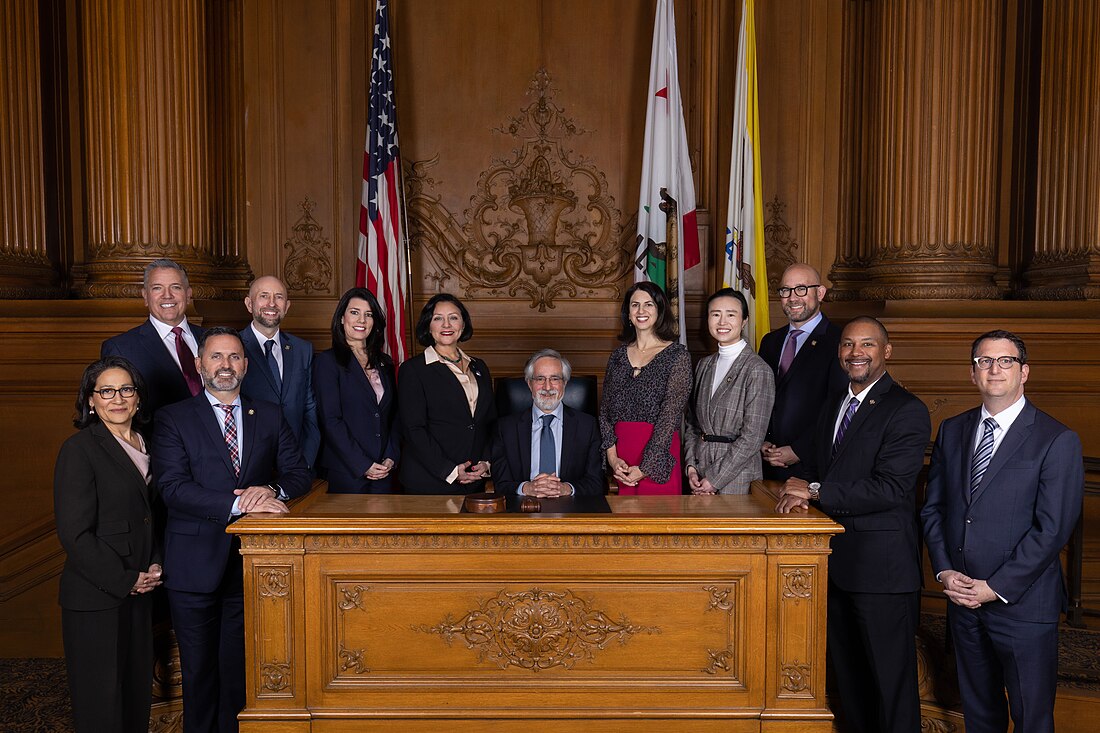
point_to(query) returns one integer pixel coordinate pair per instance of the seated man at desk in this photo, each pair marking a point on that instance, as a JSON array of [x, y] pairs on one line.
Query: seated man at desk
[[549, 450]]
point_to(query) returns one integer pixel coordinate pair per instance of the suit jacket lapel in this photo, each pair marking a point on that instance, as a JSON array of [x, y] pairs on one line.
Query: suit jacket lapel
[[805, 353], [212, 427], [866, 407], [523, 442], [250, 423], [568, 439], [256, 355], [158, 351], [118, 454], [1014, 438], [970, 425], [721, 395]]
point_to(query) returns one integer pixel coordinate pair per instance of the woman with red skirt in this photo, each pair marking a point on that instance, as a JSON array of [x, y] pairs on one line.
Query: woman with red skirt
[[645, 391]]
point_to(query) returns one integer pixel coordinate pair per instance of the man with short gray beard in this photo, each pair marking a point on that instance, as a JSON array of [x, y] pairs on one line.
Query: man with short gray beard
[[549, 450]]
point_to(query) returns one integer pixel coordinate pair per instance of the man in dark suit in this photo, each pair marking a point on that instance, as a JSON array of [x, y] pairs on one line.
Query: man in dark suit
[[163, 347], [802, 355], [1005, 488], [869, 451], [282, 364], [551, 449], [216, 457]]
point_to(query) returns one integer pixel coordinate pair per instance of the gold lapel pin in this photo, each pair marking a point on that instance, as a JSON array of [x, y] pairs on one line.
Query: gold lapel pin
[[813, 343], [871, 402], [251, 412], [286, 347]]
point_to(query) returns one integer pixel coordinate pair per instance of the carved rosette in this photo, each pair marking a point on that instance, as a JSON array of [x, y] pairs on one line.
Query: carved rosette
[[536, 629], [540, 224], [308, 266]]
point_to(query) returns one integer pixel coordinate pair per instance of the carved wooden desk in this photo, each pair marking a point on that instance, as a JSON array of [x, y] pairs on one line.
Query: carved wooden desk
[[367, 613]]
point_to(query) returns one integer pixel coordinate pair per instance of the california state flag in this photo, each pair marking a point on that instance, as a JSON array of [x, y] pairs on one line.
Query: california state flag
[[666, 166]]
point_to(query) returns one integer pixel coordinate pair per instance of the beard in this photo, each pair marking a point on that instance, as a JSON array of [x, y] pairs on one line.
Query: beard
[[268, 322], [224, 380], [547, 399]]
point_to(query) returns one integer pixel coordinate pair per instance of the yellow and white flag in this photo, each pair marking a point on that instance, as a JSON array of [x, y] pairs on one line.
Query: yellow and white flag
[[744, 256]]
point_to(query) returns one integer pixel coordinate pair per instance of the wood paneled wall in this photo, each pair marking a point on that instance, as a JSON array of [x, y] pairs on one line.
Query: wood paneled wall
[[934, 159]]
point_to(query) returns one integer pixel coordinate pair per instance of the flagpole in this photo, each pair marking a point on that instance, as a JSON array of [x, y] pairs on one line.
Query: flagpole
[[408, 259]]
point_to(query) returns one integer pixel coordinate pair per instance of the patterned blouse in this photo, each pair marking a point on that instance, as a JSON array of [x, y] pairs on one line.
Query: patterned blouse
[[657, 395]]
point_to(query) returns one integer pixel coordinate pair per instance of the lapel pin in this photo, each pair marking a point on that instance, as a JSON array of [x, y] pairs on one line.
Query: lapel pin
[[870, 402], [286, 347], [813, 343], [251, 412]]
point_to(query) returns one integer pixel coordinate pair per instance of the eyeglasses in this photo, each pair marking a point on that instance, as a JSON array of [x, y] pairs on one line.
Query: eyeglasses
[[798, 290], [555, 380], [1004, 362], [108, 393]]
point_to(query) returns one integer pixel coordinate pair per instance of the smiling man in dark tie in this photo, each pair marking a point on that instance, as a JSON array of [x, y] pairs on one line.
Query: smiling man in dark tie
[[1005, 487], [217, 457], [550, 449], [868, 452]]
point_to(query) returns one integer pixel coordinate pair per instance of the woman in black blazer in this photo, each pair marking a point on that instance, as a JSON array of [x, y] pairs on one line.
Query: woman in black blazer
[[445, 397], [354, 385], [106, 510]]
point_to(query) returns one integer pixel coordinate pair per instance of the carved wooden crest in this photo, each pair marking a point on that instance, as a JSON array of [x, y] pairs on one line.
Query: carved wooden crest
[[541, 223], [308, 267]]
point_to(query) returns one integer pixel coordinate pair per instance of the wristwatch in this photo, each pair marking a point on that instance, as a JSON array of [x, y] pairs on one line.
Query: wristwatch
[[815, 491]]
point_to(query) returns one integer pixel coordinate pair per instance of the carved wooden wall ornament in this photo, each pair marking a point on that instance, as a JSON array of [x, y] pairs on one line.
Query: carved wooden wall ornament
[[540, 225], [308, 266]]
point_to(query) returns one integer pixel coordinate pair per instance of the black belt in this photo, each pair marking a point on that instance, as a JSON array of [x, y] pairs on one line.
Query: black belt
[[717, 438]]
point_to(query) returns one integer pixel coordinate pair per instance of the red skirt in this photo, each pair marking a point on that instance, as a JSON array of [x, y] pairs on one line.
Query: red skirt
[[632, 440]]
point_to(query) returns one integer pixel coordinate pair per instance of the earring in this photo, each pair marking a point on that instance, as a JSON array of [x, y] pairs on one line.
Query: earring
[[91, 410]]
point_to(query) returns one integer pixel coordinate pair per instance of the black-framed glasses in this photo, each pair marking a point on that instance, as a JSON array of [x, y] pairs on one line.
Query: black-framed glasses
[[798, 290], [1004, 362], [108, 393]]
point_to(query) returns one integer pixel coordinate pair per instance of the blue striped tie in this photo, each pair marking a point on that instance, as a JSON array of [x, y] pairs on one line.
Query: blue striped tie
[[983, 455], [853, 405]]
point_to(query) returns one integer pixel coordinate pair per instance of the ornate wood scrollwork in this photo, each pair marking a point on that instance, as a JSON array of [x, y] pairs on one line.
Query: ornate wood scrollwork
[[541, 223], [795, 676], [308, 267], [274, 583], [536, 629], [779, 248], [353, 661], [721, 599], [275, 676], [798, 584]]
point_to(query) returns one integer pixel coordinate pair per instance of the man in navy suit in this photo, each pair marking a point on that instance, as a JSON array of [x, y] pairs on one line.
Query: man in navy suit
[[282, 364], [216, 457], [551, 449], [1005, 488], [163, 347], [803, 356], [869, 450]]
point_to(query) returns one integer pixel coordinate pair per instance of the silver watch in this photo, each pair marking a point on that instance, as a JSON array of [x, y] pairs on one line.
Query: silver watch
[[815, 491]]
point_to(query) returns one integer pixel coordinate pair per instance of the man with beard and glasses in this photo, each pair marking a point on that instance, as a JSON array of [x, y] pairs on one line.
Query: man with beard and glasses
[[550, 450], [217, 457], [802, 355], [282, 364], [869, 450]]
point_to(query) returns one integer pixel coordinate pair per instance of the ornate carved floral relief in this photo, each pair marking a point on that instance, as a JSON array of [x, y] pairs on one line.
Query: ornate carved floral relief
[[536, 629], [780, 250], [349, 598], [721, 600], [308, 267], [541, 223]]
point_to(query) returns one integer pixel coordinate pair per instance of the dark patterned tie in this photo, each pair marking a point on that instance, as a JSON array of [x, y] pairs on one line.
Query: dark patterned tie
[[273, 364], [187, 363], [548, 461], [983, 455], [853, 405], [231, 438], [789, 351]]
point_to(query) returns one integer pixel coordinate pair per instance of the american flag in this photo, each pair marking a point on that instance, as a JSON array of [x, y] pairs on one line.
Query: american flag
[[381, 265]]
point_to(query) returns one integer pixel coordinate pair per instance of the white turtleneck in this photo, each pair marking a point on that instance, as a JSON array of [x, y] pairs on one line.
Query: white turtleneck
[[726, 356]]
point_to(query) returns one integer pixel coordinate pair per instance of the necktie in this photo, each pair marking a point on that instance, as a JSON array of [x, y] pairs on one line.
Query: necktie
[[548, 461], [983, 455], [231, 439], [273, 364], [187, 363], [853, 405], [789, 351]]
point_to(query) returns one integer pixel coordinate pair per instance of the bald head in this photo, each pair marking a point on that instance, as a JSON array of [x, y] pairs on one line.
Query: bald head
[[800, 293], [268, 304]]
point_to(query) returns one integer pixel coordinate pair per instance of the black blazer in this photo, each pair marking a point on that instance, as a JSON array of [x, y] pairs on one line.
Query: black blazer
[[437, 427], [296, 396], [870, 488], [1011, 531], [581, 457], [164, 381], [814, 374], [358, 430], [195, 475], [106, 520]]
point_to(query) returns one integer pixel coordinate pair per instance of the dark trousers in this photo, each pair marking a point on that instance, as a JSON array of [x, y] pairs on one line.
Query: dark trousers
[[994, 654], [872, 660], [109, 660], [210, 631]]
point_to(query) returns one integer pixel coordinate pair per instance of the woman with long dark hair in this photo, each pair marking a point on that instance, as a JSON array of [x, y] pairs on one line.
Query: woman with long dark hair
[[356, 400], [447, 405], [107, 512], [645, 390]]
